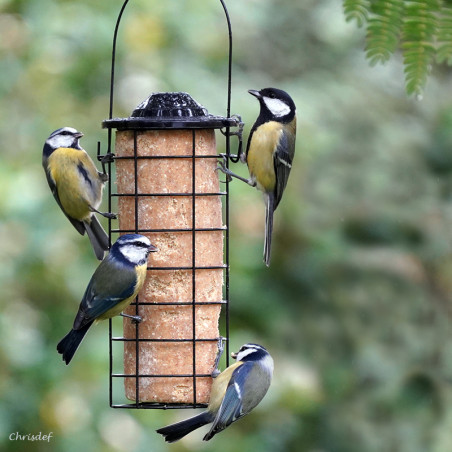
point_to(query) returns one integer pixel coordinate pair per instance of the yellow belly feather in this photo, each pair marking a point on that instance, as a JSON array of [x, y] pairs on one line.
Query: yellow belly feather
[[219, 387], [74, 193], [260, 155]]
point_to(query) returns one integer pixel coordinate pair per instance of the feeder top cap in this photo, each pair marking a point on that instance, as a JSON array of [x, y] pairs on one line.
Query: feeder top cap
[[170, 111], [169, 105]]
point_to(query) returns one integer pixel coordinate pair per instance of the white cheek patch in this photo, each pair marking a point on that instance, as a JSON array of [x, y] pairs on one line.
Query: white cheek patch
[[61, 141], [277, 107], [133, 253]]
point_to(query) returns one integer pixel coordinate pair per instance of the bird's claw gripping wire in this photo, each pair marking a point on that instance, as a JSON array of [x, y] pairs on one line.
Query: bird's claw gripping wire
[[134, 318], [223, 168], [217, 371]]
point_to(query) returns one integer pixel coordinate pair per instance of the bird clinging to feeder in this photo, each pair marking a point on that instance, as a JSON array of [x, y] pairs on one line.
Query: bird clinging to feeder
[[235, 392], [270, 152], [113, 286], [76, 185]]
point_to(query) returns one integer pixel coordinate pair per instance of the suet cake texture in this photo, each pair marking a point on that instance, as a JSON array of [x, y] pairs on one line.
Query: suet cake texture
[[173, 175]]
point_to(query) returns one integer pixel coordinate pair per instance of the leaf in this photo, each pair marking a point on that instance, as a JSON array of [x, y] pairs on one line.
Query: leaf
[[444, 38], [356, 10], [383, 30], [418, 34], [422, 29]]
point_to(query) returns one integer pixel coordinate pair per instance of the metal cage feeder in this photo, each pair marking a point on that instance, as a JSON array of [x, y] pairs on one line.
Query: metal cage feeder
[[167, 189]]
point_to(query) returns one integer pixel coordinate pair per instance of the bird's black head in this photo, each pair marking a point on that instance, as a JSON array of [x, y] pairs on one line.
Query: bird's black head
[[250, 352], [66, 137], [276, 104], [132, 249]]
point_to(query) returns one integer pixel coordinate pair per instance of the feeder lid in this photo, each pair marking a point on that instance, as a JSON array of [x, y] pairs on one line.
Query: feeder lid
[[169, 105], [170, 111]]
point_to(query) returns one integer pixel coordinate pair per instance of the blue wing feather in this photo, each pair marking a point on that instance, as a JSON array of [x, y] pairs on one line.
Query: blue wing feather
[[110, 284], [231, 407]]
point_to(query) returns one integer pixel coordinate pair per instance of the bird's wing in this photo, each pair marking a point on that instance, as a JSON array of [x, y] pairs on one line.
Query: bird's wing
[[282, 160], [76, 223], [108, 286], [231, 407]]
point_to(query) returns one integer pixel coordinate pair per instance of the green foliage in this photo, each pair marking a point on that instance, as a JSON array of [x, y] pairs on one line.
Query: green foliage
[[444, 52], [356, 10], [383, 30], [422, 30], [418, 35]]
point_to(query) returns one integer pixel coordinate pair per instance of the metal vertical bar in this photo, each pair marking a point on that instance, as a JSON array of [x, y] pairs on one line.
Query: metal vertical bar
[[227, 270], [137, 328], [193, 190], [112, 74], [228, 153], [110, 326], [110, 115], [228, 20]]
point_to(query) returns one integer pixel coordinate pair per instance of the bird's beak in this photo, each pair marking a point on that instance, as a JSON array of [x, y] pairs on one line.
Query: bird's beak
[[78, 135], [255, 93], [153, 249], [234, 355]]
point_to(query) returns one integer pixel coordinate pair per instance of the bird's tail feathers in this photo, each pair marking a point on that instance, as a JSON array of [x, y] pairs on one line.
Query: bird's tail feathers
[[70, 343], [269, 210], [97, 236], [175, 432]]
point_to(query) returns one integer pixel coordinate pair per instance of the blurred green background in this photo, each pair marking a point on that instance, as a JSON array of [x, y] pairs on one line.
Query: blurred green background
[[356, 306]]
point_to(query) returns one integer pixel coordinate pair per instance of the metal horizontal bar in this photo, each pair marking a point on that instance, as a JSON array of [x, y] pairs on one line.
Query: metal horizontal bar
[[162, 406], [179, 303], [222, 228], [161, 376], [211, 267], [143, 339], [148, 195], [154, 157]]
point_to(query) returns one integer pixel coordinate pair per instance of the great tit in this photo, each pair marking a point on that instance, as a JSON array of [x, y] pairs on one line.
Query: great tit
[[235, 392], [76, 185], [270, 152], [113, 286]]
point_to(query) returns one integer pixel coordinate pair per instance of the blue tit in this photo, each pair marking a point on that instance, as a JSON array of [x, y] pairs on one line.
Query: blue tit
[[270, 152], [113, 286], [76, 185], [235, 392]]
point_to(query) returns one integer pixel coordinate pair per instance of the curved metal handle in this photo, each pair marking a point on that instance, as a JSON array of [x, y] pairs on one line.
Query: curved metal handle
[[113, 58]]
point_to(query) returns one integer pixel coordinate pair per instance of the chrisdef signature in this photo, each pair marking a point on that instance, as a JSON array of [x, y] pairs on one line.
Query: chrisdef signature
[[16, 436]]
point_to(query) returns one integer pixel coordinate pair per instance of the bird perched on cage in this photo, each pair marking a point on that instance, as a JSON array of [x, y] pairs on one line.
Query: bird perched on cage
[[270, 152], [76, 185], [113, 286], [235, 392]]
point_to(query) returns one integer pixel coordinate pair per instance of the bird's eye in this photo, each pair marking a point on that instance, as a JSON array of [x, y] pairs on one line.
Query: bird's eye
[[271, 95]]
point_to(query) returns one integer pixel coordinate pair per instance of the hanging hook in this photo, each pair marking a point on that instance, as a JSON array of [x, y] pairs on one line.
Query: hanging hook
[[113, 62]]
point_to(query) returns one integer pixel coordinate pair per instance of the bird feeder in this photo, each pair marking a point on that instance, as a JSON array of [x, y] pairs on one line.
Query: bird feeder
[[168, 189]]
